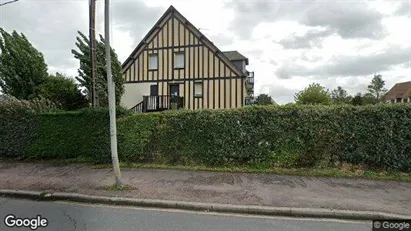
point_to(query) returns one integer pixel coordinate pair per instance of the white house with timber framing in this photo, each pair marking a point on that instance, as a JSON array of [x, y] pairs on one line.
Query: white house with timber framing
[[176, 66]]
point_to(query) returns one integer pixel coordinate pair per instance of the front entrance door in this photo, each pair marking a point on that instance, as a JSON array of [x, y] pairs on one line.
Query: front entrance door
[[153, 90], [174, 95], [153, 101], [174, 90]]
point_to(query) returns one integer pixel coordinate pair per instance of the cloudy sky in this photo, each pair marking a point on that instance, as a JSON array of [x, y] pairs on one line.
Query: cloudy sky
[[290, 44]]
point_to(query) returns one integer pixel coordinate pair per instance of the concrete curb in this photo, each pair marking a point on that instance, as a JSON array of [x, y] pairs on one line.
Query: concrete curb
[[196, 206]]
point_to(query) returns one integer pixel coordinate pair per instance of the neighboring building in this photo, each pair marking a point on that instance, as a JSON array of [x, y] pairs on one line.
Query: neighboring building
[[399, 93], [176, 66], [241, 62]]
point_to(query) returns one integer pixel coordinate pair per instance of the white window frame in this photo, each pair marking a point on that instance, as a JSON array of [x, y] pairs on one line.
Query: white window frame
[[150, 64], [176, 64], [198, 92]]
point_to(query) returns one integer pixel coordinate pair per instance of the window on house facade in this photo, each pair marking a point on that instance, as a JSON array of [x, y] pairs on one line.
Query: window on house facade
[[153, 62], [153, 90], [198, 89], [179, 60]]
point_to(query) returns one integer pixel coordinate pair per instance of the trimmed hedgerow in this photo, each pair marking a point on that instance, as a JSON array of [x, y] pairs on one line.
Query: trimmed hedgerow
[[56, 135], [17, 130], [18, 123], [70, 135], [136, 141], [298, 136], [377, 136]]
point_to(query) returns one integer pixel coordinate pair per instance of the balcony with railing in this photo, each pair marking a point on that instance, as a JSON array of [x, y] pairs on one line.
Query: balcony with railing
[[250, 78], [249, 100], [158, 103]]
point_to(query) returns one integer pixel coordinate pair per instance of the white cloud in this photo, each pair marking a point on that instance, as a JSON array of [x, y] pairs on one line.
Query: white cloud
[[398, 31], [278, 30], [332, 43]]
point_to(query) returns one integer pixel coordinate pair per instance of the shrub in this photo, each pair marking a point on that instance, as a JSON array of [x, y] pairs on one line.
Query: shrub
[[287, 156], [18, 123], [377, 136], [82, 133], [10, 103], [63, 92], [56, 135], [136, 140], [17, 130]]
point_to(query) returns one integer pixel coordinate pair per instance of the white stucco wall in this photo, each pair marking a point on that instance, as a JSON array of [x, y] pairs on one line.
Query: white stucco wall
[[133, 93]]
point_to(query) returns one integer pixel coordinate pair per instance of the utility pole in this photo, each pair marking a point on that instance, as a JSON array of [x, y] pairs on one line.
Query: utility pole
[[93, 56], [111, 97]]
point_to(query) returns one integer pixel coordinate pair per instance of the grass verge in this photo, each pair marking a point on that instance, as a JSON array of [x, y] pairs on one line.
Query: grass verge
[[121, 188], [79, 160], [352, 172], [343, 172]]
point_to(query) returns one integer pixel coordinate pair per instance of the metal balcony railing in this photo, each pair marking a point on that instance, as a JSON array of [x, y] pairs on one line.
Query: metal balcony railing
[[159, 103], [249, 100], [250, 78]]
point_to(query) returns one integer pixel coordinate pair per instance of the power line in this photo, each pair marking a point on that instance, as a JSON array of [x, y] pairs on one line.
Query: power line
[[2, 4]]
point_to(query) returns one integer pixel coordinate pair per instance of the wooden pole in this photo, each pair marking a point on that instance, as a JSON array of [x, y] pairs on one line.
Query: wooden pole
[[93, 55]]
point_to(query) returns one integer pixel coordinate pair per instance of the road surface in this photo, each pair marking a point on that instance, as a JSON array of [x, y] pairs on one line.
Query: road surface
[[75, 216]]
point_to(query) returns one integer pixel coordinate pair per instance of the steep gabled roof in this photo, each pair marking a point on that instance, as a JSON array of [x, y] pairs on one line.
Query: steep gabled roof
[[399, 90], [235, 56], [144, 40], [171, 11]]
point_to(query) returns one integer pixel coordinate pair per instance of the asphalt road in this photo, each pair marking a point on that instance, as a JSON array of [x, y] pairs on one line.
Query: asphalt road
[[73, 216]]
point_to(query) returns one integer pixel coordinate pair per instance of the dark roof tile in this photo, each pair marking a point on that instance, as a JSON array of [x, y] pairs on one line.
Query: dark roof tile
[[399, 90], [235, 55]]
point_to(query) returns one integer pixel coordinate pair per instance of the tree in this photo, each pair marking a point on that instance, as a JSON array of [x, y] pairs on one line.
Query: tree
[[63, 92], [357, 100], [313, 94], [376, 88], [340, 96], [365, 99], [264, 99], [83, 55], [368, 98], [22, 67]]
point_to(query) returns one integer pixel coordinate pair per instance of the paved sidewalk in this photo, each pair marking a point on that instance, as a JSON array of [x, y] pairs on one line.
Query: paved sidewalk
[[209, 187]]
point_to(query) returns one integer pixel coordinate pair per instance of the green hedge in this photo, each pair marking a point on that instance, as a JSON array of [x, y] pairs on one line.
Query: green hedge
[[292, 136], [56, 135], [289, 136], [71, 135], [17, 129], [136, 142]]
